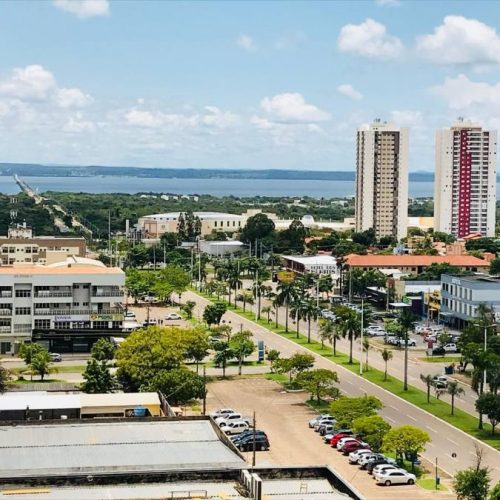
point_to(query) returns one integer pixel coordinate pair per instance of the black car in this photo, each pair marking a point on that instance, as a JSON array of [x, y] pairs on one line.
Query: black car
[[247, 434], [246, 444], [438, 351], [371, 465]]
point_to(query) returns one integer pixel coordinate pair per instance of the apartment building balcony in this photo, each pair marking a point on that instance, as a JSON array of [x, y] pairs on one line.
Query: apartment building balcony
[[82, 312], [5, 312], [115, 292], [5, 294], [5, 329], [50, 293]]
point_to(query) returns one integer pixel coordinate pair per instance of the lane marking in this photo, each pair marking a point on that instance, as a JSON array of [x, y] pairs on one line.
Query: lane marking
[[431, 429], [451, 441], [390, 419], [413, 418]]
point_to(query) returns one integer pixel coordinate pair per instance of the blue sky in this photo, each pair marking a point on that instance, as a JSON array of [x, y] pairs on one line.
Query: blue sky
[[238, 84]]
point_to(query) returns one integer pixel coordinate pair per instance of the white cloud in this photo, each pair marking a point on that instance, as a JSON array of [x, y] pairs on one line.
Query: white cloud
[[84, 8], [72, 98], [218, 118], [290, 40], [292, 108], [246, 42], [77, 124], [369, 39], [460, 93], [407, 118], [31, 83], [460, 40], [348, 90]]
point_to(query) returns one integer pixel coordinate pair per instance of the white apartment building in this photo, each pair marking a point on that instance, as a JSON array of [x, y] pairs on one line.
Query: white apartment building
[[465, 180], [65, 306], [382, 179]]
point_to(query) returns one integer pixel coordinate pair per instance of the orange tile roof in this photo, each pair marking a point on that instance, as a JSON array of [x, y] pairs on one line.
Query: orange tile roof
[[413, 260]]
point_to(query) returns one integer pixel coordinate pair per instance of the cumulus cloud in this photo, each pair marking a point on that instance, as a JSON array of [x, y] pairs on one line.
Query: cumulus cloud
[[246, 42], [292, 108], [369, 39], [34, 83], [77, 124], [84, 8], [348, 90], [460, 92], [459, 40]]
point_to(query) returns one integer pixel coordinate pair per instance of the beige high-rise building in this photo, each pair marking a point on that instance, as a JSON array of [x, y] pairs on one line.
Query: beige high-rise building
[[382, 179], [465, 180]]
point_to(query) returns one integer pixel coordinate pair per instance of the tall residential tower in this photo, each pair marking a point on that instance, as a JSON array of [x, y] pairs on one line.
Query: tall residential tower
[[465, 180], [382, 179]]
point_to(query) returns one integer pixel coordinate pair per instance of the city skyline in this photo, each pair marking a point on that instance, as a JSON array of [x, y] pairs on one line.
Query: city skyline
[[239, 85]]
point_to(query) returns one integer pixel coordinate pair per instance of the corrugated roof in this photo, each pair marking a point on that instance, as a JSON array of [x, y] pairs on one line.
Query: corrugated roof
[[414, 260], [312, 260], [37, 401]]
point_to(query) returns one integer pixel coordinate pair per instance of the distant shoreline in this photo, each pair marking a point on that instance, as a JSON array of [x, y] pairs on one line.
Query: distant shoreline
[[37, 170]]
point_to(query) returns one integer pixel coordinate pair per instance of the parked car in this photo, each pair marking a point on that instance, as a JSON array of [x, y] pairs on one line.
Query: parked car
[[245, 434], [339, 435], [373, 457], [173, 316], [379, 332], [345, 440], [316, 419], [392, 339], [440, 381], [381, 461], [324, 420], [236, 427], [379, 468], [222, 412], [430, 337], [411, 342], [223, 421], [351, 446], [355, 456], [326, 429], [247, 443], [55, 357], [400, 476]]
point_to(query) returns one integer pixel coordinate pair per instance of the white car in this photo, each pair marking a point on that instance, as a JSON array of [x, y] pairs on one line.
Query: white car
[[324, 420], [224, 421], [236, 427], [222, 412], [370, 457], [316, 419], [398, 476], [375, 331], [383, 467], [354, 456], [451, 347], [173, 316]]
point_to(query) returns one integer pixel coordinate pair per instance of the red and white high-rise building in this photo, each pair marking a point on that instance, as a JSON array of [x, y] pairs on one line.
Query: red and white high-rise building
[[465, 180]]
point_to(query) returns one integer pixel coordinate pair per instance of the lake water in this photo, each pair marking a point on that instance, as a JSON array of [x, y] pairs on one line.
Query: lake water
[[215, 187]]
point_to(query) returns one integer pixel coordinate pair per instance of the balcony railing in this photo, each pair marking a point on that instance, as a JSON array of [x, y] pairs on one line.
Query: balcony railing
[[108, 293], [5, 312], [5, 295], [47, 293], [62, 312], [5, 329]]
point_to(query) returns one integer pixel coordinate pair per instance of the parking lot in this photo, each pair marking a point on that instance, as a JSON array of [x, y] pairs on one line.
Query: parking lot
[[284, 417]]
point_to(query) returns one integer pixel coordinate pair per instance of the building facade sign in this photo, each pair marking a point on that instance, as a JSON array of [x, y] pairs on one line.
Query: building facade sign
[[106, 317], [71, 317]]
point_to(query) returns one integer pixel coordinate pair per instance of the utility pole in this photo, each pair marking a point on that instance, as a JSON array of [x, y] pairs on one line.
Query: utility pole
[[164, 257], [199, 270], [256, 294], [485, 349], [317, 292], [204, 390], [253, 441], [361, 346]]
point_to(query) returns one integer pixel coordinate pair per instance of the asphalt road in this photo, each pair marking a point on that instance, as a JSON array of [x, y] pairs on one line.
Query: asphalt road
[[446, 439]]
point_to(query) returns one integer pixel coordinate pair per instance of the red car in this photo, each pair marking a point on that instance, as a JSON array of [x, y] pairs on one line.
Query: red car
[[337, 437], [353, 446]]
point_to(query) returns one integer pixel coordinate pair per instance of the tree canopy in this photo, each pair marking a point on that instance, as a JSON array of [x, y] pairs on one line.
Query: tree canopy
[[405, 440], [346, 410]]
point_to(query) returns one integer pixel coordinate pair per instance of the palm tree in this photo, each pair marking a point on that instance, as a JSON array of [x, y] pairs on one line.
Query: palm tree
[[276, 304], [234, 282], [325, 285], [405, 320], [268, 310], [386, 356], [366, 348], [297, 308], [286, 292], [326, 331], [453, 390], [427, 380], [350, 326], [41, 364], [311, 311]]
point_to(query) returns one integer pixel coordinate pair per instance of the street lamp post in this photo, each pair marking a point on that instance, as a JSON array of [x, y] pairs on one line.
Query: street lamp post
[[362, 329]]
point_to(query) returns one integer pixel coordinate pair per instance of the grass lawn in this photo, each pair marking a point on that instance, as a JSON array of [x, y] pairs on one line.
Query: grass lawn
[[441, 409], [60, 369], [441, 359], [35, 381], [429, 483]]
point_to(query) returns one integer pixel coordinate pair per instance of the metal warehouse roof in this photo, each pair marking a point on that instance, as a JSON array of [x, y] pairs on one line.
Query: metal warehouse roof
[[98, 448]]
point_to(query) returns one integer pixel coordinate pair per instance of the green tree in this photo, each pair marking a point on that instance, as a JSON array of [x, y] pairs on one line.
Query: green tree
[[179, 385], [245, 297], [98, 378], [213, 313], [405, 321], [267, 310], [386, 356], [366, 238], [428, 381], [29, 350], [297, 363], [320, 383], [366, 348], [454, 390], [103, 350], [188, 308], [242, 345], [495, 266], [174, 278], [298, 309], [472, 483], [145, 352], [489, 404], [345, 410], [41, 364], [405, 440], [258, 227], [327, 332], [358, 280], [495, 492], [273, 356], [223, 354], [197, 345], [350, 326], [284, 297], [291, 240], [371, 429], [4, 379]]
